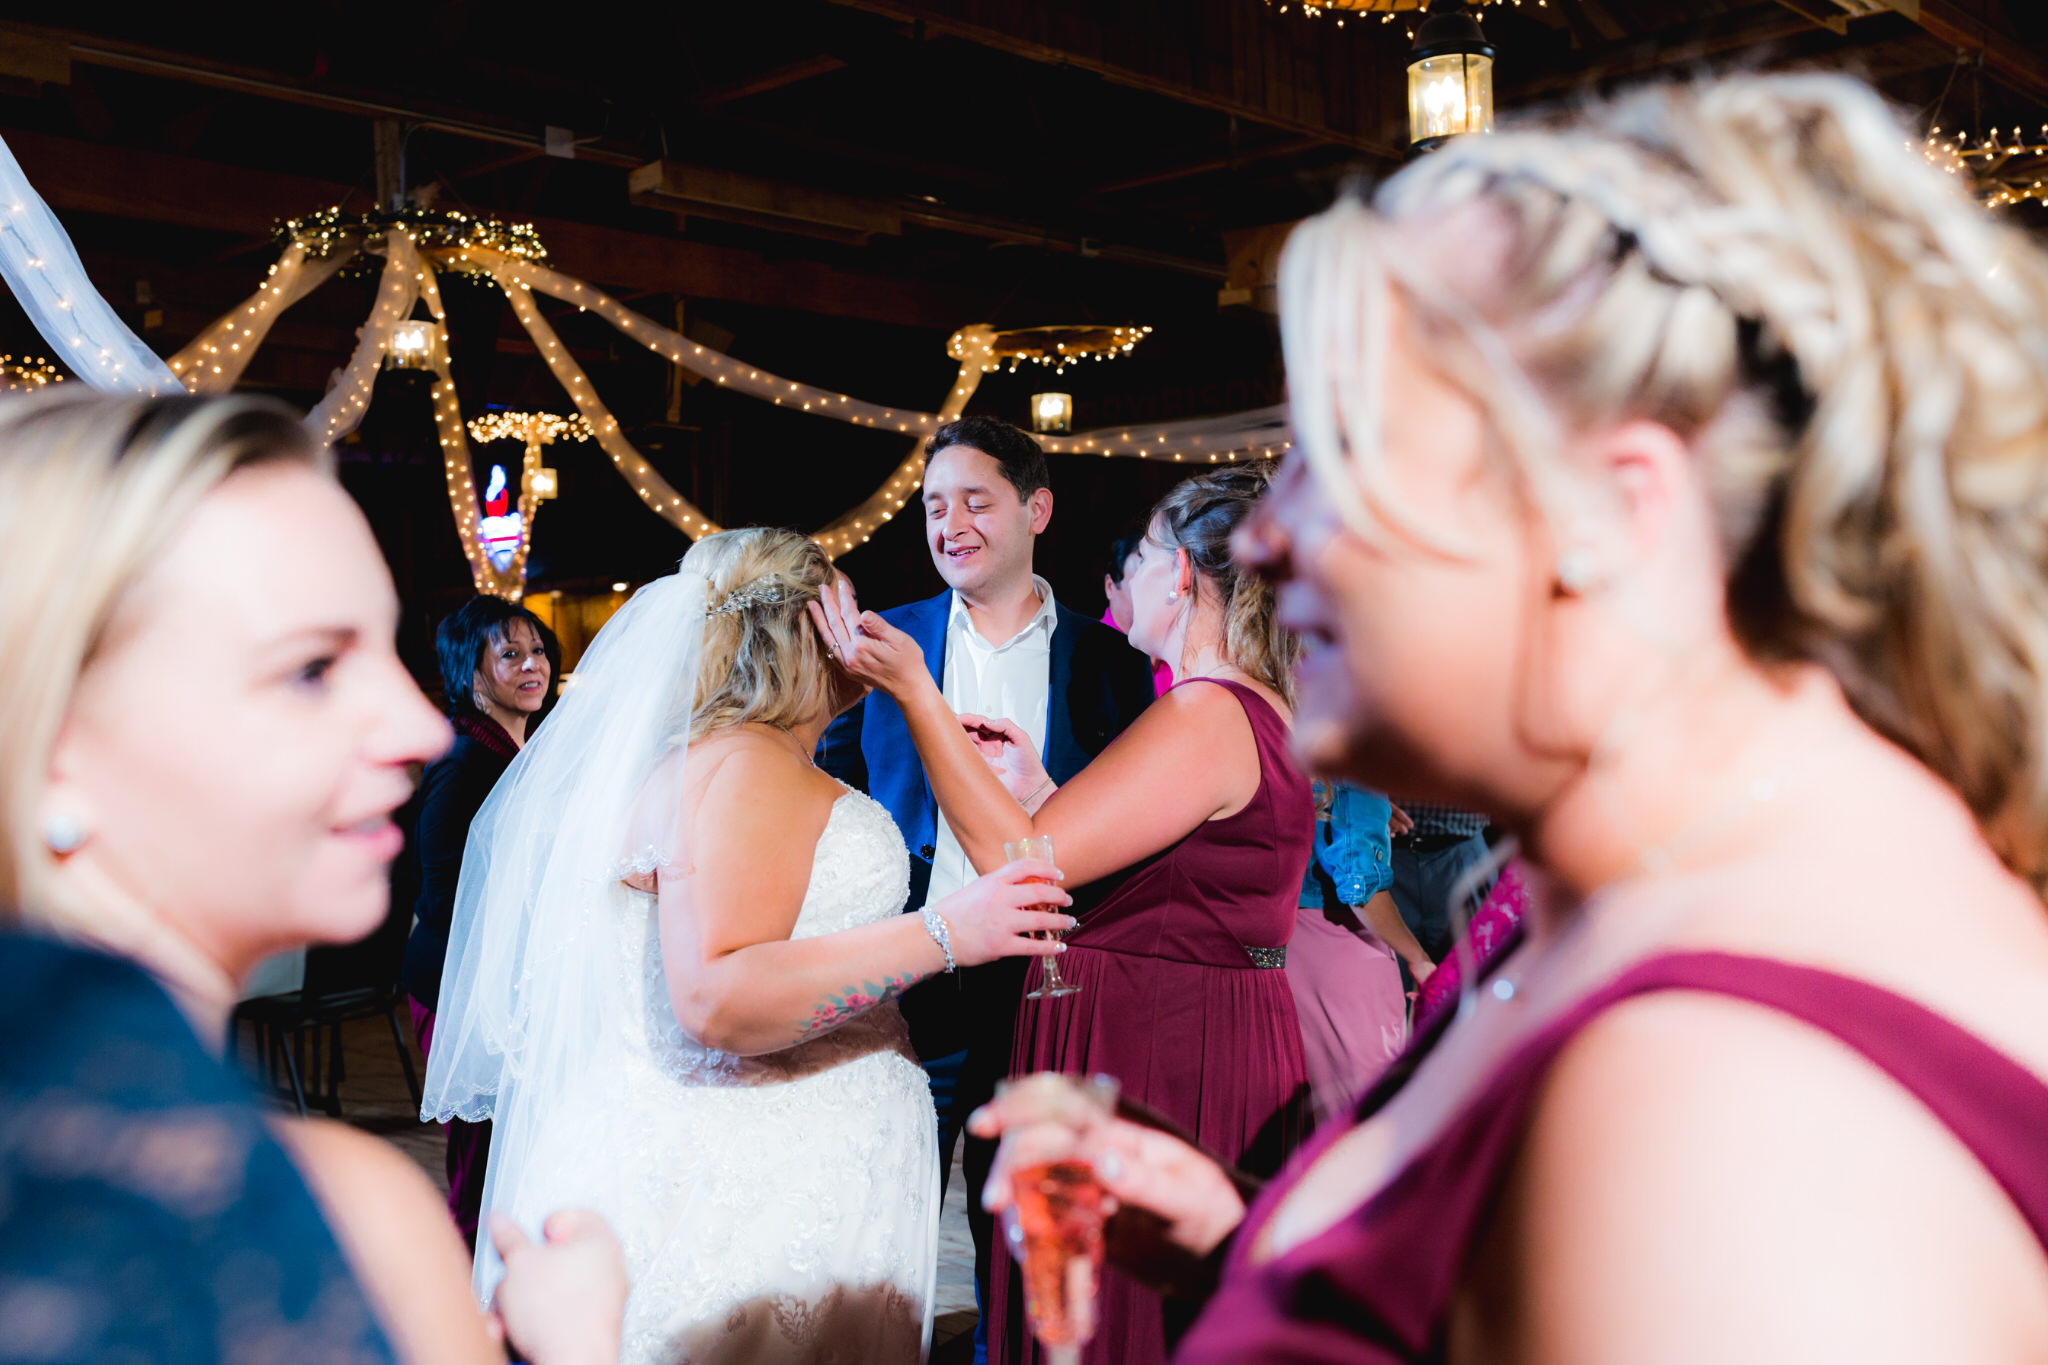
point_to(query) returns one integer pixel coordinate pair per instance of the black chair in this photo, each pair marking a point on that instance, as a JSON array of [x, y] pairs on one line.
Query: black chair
[[298, 1033]]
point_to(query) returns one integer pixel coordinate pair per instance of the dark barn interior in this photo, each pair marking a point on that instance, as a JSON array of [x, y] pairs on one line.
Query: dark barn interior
[[892, 172]]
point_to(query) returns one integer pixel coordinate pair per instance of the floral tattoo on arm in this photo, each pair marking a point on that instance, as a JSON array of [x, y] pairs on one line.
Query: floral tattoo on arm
[[836, 1009]]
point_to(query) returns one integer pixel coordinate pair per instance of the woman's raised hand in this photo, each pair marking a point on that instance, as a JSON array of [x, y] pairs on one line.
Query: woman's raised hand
[[1173, 1204], [999, 915], [866, 646], [1009, 753]]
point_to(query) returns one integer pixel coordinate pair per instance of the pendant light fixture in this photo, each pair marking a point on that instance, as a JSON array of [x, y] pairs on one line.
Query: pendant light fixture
[[1450, 76]]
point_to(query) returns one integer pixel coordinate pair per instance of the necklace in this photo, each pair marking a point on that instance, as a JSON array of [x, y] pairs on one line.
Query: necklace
[[801, 750], [1662, 858]]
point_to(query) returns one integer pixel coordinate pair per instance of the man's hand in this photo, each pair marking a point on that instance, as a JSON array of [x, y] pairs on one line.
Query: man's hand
[[1009, 753]]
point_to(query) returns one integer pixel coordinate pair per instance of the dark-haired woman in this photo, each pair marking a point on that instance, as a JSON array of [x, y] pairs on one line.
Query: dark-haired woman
[[1206, 822], [496, 668]]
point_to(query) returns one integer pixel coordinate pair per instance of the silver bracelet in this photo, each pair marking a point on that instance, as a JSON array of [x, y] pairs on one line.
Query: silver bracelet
[[1026, 802], [935, 925]]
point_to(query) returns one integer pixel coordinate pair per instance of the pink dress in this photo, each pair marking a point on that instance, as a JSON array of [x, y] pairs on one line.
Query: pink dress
[[1354, 1010]]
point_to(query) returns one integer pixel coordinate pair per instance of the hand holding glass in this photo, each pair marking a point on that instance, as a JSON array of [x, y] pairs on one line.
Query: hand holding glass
[[1053, 1222], [1050, 983]]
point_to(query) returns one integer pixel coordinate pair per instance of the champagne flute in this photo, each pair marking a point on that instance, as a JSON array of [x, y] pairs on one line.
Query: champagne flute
[[1051, 984], [1057, 1207]]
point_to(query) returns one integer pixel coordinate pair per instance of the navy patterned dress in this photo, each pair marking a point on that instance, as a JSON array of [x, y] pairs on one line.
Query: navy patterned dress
[[145, 1214]]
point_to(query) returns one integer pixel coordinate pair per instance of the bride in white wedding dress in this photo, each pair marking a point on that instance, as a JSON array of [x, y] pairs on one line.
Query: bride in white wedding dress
[[672, 973]]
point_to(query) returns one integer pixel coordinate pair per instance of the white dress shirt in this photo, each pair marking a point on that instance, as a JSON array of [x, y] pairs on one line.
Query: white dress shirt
[[1011, 681]]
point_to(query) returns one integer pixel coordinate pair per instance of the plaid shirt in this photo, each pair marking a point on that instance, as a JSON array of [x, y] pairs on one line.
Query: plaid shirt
[[1447, 821]]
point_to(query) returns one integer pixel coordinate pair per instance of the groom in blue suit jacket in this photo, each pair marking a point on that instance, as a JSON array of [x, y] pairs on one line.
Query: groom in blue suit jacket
[[986, 499]]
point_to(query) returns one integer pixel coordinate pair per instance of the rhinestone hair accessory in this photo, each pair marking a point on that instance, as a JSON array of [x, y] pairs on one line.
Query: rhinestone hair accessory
[[758, 594]]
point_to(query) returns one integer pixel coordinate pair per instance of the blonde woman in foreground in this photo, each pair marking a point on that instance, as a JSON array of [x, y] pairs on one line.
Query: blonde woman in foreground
[[207, 732], [672, 975], [1675, 488]]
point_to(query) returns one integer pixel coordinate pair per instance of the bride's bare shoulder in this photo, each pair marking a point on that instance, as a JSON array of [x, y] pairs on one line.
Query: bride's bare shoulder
[[744, 768]]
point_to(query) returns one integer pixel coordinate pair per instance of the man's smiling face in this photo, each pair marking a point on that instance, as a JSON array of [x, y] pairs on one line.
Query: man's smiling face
[[979, 530]]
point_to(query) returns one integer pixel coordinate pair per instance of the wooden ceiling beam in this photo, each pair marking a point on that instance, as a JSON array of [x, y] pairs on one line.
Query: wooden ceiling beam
[[1244, 157], [1679, 46], [1294, 51], [790, 73], [1966, 26], [155, 187]]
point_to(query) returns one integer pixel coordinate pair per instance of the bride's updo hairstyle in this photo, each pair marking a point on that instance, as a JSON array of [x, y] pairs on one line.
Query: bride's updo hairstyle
[[92, 490], [1855, 352], [763, 660]]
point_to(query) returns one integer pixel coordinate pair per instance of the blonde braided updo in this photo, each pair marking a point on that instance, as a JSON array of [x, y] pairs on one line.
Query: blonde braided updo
[[1855, 351], [763, 661]]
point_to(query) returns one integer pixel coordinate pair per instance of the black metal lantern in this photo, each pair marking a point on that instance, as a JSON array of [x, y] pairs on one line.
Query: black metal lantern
[[1450, 76]]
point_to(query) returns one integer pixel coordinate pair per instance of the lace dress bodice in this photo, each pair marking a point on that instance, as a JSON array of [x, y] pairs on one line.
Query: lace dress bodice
[[859, 875]]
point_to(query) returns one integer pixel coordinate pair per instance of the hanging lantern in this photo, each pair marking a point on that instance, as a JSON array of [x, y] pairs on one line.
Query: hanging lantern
[[1052, 412], [415, 344], [1450, 76]]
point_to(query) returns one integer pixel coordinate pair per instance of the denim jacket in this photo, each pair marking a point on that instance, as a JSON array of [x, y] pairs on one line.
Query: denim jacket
[[1353, 851]]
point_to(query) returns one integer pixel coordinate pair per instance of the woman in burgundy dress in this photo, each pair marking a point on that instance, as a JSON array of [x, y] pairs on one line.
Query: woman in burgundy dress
[[1675, 482], [1206, 823]]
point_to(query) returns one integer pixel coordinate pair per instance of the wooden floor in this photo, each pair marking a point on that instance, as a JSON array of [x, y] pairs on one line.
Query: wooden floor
[[374, 1098]]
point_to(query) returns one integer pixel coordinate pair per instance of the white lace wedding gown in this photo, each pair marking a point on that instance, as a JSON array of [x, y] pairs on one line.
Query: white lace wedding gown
[[773, 1208]]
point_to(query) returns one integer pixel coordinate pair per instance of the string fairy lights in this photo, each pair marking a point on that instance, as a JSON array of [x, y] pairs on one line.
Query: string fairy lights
[[1059, 347], [329, 232], [1387, 10], [2000, 169], [321, 244], [27, 372]]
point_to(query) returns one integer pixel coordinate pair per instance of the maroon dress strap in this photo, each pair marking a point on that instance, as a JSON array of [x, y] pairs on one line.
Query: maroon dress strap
[[1379, 1284]]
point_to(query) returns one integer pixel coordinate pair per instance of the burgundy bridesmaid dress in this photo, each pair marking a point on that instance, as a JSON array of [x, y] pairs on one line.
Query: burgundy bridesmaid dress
[[1377, 1287], [1183, 1002]]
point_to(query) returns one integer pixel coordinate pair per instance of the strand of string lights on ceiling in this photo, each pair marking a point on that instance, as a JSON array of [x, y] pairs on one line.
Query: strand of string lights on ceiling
[[1387, 10]]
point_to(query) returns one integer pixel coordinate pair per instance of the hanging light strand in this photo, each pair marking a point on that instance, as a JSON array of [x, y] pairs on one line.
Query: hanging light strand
[[336, 415], [652, 489], [707, 361]]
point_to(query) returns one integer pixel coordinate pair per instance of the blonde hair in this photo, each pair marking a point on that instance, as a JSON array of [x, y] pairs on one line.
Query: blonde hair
[[1856, 352], [1198, 516], [92, 490], [763, 661]]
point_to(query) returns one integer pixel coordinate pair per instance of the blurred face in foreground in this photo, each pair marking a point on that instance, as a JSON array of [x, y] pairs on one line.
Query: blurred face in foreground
[[239, 743]]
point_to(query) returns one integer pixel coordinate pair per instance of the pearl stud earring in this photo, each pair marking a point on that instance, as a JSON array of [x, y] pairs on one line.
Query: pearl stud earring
[[63, 833]]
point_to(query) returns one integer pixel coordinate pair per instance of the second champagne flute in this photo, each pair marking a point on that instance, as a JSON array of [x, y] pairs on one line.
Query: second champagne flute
[[1050, 983]]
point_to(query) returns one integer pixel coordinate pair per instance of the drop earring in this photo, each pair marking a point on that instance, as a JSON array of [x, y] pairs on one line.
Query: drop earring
[[63, 833]]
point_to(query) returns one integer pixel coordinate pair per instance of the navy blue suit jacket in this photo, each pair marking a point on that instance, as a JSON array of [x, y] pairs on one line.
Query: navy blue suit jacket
[[1097, 686]]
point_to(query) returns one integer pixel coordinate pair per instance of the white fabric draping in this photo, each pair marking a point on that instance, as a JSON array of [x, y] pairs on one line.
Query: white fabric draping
[[459, 470], [336, 415], [42, 268], [409, 275], [654, 490], [1249, 435], [707, 361], [213, 361]]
